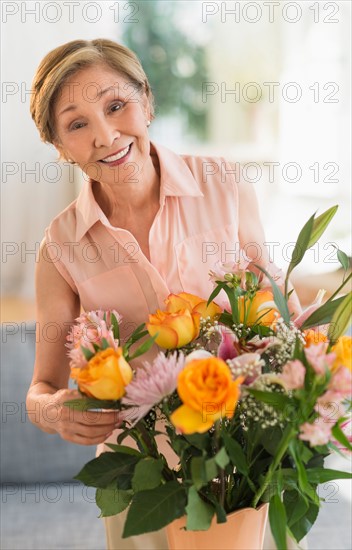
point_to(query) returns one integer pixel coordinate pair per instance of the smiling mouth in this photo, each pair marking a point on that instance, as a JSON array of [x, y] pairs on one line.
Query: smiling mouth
[[117, 156]]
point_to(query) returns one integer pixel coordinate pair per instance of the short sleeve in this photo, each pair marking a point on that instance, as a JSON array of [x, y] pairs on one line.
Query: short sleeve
[[54, 251]]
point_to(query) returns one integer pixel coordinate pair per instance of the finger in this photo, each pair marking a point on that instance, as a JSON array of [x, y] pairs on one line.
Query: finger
[[92, 431], [84, 440], [97, 417]]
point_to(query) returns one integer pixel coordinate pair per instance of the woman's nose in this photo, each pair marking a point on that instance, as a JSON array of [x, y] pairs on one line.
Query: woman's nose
[[105, 134]]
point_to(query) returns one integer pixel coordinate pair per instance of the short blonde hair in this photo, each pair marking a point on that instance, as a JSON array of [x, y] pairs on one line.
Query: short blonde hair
[[64, 61]]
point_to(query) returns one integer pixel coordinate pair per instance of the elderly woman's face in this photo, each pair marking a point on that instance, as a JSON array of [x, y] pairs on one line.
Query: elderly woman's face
[[101, 124]]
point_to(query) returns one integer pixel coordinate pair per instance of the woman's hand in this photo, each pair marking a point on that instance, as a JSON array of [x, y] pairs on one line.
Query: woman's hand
[[81, 427]]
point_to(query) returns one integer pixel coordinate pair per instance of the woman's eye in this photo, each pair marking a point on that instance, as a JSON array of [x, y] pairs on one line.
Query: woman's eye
[[117, 106], [76, 125]]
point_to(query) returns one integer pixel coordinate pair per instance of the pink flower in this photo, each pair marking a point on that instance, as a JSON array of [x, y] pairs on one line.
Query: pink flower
[[293, 375], [318, 433], [299, 320], [341, 381], [229, 345], [318, 358], [237, 267], [275, 273], [329, 406], [89, 329], [152, 383]]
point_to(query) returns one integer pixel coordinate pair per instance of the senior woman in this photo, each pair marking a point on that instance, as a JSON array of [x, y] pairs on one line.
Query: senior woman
[[146, 223]]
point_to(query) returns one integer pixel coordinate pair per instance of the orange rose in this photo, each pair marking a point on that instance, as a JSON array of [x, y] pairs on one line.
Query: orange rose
[[208, 393], [193, 303], [313, 337], [179, 324], [105, 375], [343, 351], [174, 329], [255, 312]]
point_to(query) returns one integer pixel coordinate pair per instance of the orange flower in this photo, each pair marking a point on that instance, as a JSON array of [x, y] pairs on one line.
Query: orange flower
[[343, 351], [313, 337], [193, 303], [174, 329], [179, 324], [260, 311], [208, 393], [104, 376]]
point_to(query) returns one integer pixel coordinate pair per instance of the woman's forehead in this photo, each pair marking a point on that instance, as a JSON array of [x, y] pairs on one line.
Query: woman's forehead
[[90, 84]]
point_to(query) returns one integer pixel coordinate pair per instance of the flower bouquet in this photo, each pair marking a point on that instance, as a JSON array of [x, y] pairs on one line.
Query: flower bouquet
[[249, 398]]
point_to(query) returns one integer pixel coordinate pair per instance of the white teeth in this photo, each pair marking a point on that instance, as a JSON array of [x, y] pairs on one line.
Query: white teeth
[[117, 156]]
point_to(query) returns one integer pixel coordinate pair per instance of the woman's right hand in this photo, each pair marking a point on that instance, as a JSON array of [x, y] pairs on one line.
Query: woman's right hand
[[81, 427]]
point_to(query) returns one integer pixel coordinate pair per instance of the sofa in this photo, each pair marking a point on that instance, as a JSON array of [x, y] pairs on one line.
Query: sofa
[[43, 507]]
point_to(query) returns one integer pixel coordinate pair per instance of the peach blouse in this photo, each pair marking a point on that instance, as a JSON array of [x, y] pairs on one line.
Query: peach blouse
[[196, 225]]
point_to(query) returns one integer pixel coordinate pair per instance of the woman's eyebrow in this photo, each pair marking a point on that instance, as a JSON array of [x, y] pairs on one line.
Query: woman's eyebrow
[[99, 94]]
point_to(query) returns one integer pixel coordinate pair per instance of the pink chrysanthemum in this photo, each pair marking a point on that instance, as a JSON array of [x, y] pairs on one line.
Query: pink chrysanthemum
[[152, 383]]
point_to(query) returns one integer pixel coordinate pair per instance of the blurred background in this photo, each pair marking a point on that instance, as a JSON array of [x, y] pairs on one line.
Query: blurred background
[[264, 84]]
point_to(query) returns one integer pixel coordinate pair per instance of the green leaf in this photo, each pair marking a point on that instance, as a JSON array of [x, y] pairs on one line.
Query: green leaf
[[343, 259], [124, 450], [202, 471], [115, 327], [216, 291], [198, 471], [276, 400], [321, 475], [322, 315], [233, 299], [304, 524], [154, 509], [199, 513], [279, 298], [136, 335], [147, 474], [108, 467], [211, 470], [222, 458], [338, 290], [304, 485], [112, 501], [87, 353], [221, 516], [278, 520], [341, 437], [341, 318], [304, 241], [320, 224], [236, 454], [296, 505], [199, 441], [143, 348], [105, 344]]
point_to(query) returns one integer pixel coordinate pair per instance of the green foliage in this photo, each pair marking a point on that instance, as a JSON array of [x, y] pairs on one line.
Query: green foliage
[[174, 63], [199, 513], [154, 509], [112, 501]]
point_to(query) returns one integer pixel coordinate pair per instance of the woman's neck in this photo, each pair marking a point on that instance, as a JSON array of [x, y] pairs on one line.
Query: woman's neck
[[121, 203]]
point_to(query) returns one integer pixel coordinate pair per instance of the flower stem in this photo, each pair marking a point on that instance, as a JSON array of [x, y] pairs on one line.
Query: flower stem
[[144, 438], [222, 472], [287, 436]]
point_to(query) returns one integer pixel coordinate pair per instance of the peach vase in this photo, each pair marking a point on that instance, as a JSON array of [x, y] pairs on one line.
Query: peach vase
[[244, 530]]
